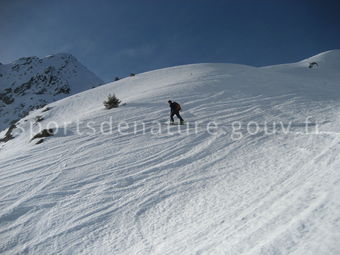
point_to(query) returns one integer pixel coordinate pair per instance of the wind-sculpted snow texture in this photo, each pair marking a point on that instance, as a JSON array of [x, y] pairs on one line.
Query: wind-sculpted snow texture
[[232, 190], [30, 83]]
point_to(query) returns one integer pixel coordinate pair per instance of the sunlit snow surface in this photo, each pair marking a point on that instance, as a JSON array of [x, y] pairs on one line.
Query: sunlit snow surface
[[189, 192]]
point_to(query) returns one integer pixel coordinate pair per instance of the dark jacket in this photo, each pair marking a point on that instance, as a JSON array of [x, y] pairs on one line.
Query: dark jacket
[[175, 107]]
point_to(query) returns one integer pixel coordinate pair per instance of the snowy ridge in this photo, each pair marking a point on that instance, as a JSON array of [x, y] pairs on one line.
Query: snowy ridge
[[30, 83], [328, 64], [233, 191]]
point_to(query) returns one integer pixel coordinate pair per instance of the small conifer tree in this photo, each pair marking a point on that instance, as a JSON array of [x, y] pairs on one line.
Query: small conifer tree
[[111, 102]]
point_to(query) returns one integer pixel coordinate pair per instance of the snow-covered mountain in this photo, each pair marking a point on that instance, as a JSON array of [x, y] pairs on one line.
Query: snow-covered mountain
[[254, 171], [30, 83]]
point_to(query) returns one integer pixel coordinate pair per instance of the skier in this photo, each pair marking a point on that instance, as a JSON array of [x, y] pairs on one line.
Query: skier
[[175, 108]]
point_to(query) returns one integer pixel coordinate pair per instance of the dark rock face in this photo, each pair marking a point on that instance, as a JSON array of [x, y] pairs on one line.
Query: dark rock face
[[8, 136]]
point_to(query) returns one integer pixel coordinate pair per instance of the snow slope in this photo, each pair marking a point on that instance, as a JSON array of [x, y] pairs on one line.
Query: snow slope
[[228, 191], [30, 83]]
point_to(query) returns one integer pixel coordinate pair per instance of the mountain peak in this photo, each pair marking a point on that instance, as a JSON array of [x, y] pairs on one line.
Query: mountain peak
[[31, 82]]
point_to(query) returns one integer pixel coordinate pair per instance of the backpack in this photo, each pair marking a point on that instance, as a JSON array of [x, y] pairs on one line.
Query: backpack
[[177, 107]]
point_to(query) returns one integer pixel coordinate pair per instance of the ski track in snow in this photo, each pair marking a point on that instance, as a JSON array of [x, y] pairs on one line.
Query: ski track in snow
[[178, 194]]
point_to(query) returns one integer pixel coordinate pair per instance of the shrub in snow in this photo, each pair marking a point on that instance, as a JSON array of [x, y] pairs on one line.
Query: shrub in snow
[[44, 133], [111, 102], [132, 74], [117, 79], [313, 64]]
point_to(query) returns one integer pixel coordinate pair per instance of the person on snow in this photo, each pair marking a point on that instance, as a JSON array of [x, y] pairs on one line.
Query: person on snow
[[174, 110]]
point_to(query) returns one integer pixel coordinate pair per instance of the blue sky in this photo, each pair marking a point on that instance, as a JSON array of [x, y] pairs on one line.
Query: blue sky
[[114, 38]]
